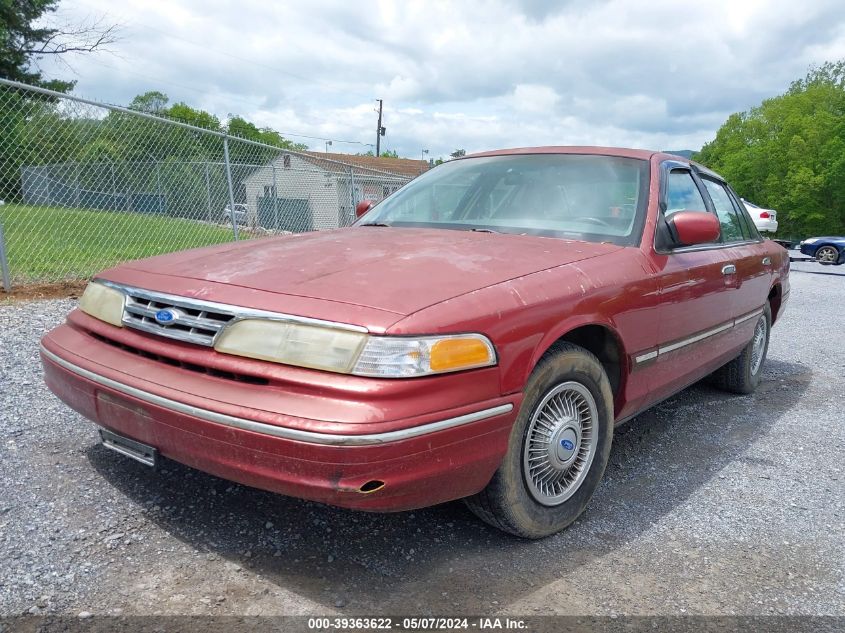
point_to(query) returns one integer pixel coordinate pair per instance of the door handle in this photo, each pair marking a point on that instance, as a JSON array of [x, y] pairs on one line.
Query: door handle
[[728, 269], [767, 261]]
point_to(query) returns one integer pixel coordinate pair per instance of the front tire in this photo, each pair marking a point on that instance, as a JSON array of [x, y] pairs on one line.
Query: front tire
[[558, 448], [743, 373], [827, 255]]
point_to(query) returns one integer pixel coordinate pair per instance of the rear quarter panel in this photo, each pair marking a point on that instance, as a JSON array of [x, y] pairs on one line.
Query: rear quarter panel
[[780, 277]]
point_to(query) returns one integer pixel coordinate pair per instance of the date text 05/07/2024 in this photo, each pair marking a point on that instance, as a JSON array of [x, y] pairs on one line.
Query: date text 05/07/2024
[[416, 623]]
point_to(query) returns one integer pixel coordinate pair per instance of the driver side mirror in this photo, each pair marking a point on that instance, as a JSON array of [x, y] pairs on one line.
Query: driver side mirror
[[689, 228], [362, 207]]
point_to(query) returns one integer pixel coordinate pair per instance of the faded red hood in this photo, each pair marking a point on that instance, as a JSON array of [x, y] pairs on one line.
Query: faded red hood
[[398, 270]]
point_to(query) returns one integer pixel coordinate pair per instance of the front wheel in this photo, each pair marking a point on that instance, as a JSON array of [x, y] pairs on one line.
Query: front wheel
[[827, 255], [558, 448]]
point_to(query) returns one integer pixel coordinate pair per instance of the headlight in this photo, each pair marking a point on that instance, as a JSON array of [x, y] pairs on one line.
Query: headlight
[[103, 303], [399, 357], [292, 344], [350, 352], [812, 240]]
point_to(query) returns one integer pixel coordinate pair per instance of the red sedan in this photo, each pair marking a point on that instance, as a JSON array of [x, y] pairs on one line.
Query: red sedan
[[476, 335]]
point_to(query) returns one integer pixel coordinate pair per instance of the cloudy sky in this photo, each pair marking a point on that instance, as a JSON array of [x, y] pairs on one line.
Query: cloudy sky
[[463, 74]]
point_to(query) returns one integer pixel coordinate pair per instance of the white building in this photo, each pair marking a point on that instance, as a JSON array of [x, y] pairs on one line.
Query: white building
[[312, 191]]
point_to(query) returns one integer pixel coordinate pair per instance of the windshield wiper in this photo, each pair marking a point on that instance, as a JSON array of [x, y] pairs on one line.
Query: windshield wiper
[[484, 230], [373, 224]]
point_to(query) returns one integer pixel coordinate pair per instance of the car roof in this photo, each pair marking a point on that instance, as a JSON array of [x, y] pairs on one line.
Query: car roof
[[623, 152], [596, 150]]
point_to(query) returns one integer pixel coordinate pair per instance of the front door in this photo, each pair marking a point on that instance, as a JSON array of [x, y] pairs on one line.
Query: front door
[[696, 307]]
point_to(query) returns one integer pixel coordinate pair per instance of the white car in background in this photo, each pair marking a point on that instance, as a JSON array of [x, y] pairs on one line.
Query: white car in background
[[240, 214], [766, 220]]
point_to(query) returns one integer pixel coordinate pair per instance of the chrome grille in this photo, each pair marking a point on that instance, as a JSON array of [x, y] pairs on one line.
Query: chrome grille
[[196, 321]]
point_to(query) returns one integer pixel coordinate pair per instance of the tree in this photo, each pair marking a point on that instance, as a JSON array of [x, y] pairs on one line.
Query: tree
[[244, 129], [26, 38], [788, 153], [388, 153], [199, 118], [458, 153], [152, 102]]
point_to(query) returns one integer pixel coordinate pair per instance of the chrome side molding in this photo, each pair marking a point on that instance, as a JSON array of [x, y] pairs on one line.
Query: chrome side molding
[[695, 338]]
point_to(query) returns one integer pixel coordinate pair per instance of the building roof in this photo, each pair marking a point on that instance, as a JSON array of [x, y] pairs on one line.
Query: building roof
[[402, 166]]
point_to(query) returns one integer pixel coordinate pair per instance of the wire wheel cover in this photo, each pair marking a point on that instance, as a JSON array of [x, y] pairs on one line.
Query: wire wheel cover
[[560, 443], [758, 346]]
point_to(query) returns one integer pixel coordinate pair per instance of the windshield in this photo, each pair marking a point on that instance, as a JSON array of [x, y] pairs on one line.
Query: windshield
[[575, 196]]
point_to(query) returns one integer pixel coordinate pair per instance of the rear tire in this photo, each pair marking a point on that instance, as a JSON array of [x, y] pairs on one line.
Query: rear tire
[[558, 447], [743, 373]]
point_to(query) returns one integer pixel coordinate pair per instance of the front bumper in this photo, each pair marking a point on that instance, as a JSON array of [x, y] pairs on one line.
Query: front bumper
[[400, 464]]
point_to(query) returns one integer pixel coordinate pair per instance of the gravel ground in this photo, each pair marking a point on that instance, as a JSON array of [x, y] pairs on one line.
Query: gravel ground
[[712, 504]]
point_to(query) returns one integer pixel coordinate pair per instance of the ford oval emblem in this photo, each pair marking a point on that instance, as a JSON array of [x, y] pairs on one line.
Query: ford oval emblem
[[567, 444], [166, 316]]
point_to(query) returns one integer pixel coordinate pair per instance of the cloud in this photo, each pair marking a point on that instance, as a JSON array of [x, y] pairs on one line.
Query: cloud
[[475, 74], [534, 99]]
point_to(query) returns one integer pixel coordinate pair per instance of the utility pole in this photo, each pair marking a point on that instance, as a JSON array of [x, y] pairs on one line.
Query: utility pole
[[379, 130]]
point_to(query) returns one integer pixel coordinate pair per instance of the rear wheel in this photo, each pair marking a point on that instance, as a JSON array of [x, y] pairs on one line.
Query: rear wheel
[[743, 373], [827, 255], [558, 449]]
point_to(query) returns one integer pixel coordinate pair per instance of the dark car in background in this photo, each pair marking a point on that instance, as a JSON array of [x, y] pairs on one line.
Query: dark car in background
[[826, 250]]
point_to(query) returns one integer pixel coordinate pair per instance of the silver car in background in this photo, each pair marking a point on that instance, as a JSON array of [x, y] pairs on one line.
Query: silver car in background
[[240, 214]]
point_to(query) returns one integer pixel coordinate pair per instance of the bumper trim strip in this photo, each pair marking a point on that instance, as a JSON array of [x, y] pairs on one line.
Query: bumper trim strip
[[278, 431]]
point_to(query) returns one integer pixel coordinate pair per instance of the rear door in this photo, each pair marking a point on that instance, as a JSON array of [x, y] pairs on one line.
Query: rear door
[[745, 251]]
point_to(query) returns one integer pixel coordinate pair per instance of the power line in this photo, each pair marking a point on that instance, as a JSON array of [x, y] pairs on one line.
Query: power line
[[224, 53], [236, 57], [169, 83], [234, 98], [205, 92]]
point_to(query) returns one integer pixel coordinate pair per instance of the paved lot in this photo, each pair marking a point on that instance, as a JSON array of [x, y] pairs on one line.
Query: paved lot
[[712, 504]]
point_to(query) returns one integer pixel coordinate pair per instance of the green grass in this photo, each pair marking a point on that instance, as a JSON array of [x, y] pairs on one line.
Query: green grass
[[51, 243]]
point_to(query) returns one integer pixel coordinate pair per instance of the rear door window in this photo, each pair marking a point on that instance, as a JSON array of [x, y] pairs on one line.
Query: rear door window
[[733, 225], [752, 232]]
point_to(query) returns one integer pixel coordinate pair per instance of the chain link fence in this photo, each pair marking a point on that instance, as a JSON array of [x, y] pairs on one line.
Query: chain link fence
[[85, 186]]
